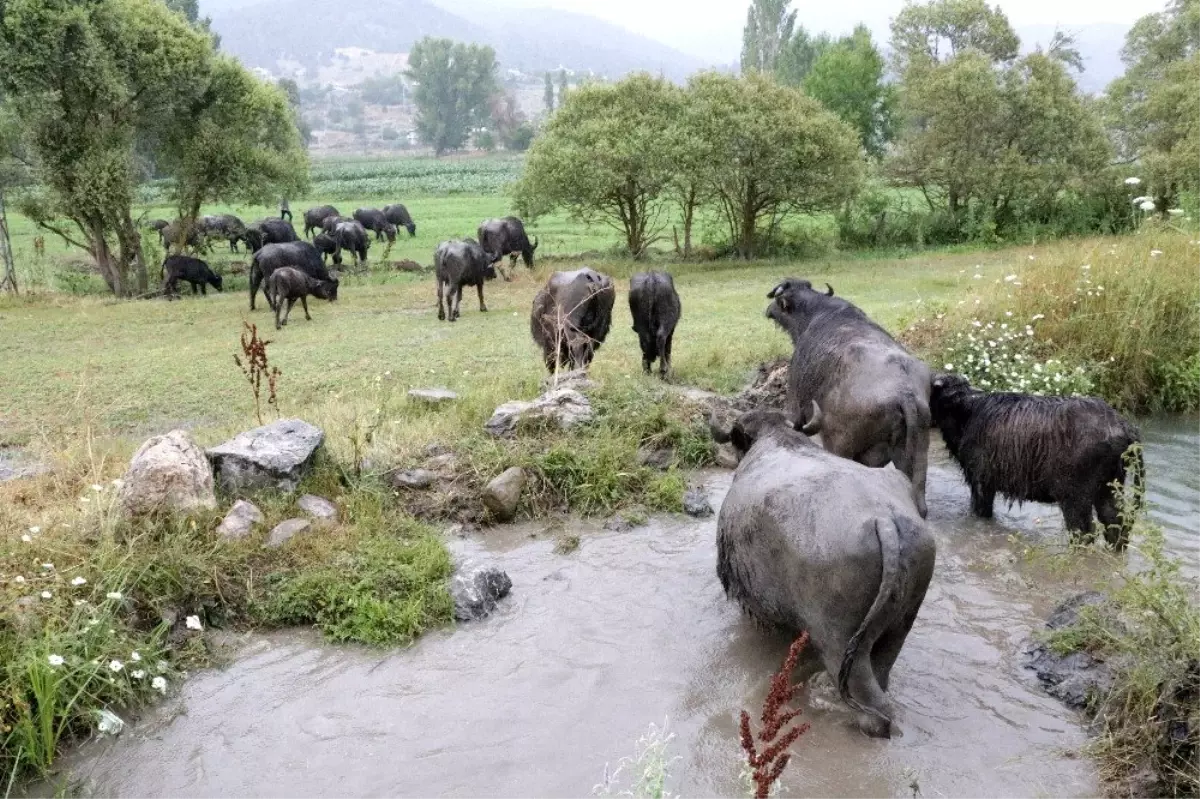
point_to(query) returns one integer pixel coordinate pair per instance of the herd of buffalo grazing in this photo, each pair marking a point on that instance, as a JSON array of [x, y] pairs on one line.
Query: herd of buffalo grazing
[[810, 537]]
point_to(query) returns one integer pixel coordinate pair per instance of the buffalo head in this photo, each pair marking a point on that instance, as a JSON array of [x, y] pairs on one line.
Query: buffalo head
[[752, 425], [794, 299], [411, 227]]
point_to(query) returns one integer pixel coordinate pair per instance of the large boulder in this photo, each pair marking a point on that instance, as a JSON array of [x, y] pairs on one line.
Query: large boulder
[[167, 473], [563, 407], [477, 590], [274, 456], [503, 494]]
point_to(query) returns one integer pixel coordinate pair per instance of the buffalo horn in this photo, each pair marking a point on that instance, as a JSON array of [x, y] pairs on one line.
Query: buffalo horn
[[814, 424], [830, 292]]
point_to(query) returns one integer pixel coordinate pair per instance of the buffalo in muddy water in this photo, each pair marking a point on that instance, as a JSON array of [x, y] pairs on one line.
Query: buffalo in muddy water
[[1065, 450], [314, 218], [874, 393], [457, 264], [571, 316], [399, 216], [807, 540], [654, 305], [507, 237]]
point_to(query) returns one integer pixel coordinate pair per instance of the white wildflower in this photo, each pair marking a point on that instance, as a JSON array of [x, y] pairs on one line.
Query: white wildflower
[[1132, 181], [135, 656], [1147, 206], [1008, 313], [159, 684], [79, 581], [118, 483], [56, 660], [1140, 200], [1038, 316], [1009, 278], [1032, 258], [47, 595], [48, 566], [114, 595], [19, 579], [137, 674], [949, 367], [97, 487], [79, 602], [115, 665], [109, 723], [1155, 253], [27, 538], [35, 529], [1175, 211], [193, 623]]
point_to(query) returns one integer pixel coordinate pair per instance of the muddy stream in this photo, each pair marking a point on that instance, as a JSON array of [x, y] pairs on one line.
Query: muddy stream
[[632, 628]]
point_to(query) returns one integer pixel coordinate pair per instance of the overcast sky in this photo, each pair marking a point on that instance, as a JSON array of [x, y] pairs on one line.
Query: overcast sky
[[712, 29]]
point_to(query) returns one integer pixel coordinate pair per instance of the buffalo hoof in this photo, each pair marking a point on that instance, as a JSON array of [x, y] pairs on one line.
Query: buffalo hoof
[[873, 726]]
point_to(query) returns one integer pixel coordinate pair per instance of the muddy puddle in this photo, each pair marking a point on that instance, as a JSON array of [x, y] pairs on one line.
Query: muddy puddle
[[629, 630]]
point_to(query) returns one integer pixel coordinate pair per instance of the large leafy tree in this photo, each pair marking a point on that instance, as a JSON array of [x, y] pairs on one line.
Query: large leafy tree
[[607, 155], [454, 82], [774, 152], [848, 79], [798, 55], [768, 29], [938, 30], [1153, 110]]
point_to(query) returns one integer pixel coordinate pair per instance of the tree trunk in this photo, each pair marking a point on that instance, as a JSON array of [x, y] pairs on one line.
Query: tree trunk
[[131, 253], [110, 267], [689, 211], [9, 280]]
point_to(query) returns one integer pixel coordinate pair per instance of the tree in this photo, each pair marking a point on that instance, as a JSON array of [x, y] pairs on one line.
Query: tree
[[768, 28], [798, 55], [606, 156], [384, 90], [190, 10], [775, 152], [548, 94], [1153, 110], [291, 90], [941, 29], [454, 82], [86, 80], [848, 79], [240, 143], [562, 87]]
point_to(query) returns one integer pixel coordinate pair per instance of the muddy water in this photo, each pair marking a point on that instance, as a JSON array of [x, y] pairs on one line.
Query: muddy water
[[1173, 493], [631, 629]]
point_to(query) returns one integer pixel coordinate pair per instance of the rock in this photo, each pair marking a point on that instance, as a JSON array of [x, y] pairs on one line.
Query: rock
[[695, 503], [727, 457], [167, 473], [618, 524], [414, 479], [1077, 677], [273, 456], [445, 463], [408, 265], [577, 380], [563, 407], [656, 458], [504, 493], [318, 507], [435, 449], [477, 590], [432, 396], [285, 531], [240, 520], [14, 465]]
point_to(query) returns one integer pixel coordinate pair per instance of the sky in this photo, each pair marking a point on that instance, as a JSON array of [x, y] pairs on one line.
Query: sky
[[712, 29]]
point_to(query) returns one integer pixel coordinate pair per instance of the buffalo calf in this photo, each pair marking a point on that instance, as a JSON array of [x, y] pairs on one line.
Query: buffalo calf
[[1064, 450], [190, 270], [655, 307], [290, 284], [457, 264]]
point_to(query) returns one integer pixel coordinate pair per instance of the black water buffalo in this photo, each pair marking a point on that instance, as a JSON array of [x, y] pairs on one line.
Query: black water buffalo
[[809, 541], [1064, 450], [328, 247], [297, 254], [374, 219], [398, 215], [571, 316], [331, 222], [875, 394], [190, 270], [507, 237], [287, 283], [457, 264], [655, 307], [223, 226], [269, 231], [157, 225], [351, 236], [315, 217]]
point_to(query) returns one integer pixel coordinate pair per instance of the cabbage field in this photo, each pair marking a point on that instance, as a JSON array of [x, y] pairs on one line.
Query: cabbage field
[[353, 178]]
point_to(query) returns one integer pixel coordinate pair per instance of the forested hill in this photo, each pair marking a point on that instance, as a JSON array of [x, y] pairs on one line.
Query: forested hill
[[532, 40]]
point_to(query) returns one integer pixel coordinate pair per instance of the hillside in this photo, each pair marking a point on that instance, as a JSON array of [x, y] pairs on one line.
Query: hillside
[[276, 34]]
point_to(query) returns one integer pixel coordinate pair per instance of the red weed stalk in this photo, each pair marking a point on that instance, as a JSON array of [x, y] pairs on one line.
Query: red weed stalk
[[256, 366], [776, 735]]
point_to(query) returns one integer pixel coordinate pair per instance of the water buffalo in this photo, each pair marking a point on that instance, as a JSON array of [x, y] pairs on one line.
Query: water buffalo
[[507, 237], [1064, 450], [298, 254], [328, 246], [571, 316], [223, 226], [874, 393], [173, 236], [351, 236], [287, 283], [457, 264], [398, 215], [373, 219], [807, 540], [190, 270], [157, 225], [315, 217], [655, 307], [269, 231], [331, 222]]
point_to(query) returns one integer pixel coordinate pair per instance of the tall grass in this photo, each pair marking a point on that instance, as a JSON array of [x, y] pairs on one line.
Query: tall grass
[[1125, 310]]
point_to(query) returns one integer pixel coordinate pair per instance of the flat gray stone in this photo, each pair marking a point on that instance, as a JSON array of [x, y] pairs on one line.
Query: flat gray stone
[[695, 503], [285, 531], [240, 520], [433, 396], [564, 407], [577, 379], [318, 507], [274, 456], [476, 592], [414, 479], [503, 494]]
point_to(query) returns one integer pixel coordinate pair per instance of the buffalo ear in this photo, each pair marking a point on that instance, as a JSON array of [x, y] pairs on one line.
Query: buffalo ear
[[742, 442], [773, 293]]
